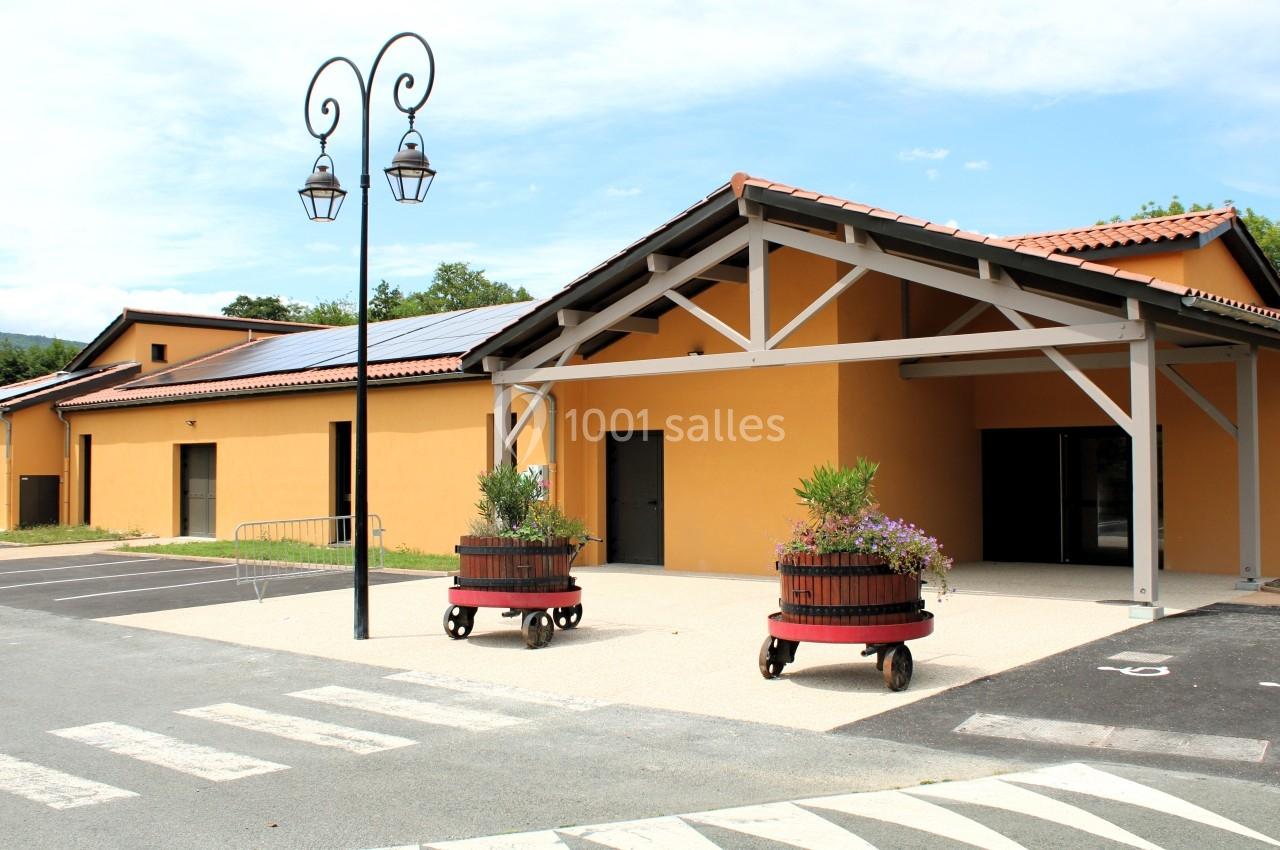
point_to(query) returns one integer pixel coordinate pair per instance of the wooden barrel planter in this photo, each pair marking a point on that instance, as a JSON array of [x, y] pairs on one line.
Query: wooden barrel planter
[[844, 589], [504, 564]]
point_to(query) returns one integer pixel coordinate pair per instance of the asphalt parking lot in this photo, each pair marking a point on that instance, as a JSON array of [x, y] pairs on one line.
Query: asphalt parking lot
[[1196, 691], [110, 584]]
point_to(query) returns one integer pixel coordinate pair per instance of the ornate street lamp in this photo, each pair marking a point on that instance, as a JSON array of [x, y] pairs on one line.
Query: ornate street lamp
[[322, 195], [410, 176]]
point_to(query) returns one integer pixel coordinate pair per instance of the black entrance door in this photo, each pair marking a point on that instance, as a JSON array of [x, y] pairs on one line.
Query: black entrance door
[[38, 500], [633, 488], [199, 478], [342, 499], [1058, 495]]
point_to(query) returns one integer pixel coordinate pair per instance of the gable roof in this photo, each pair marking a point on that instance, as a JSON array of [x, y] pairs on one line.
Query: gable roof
[[416, 349], [131, 316], [717, 214]]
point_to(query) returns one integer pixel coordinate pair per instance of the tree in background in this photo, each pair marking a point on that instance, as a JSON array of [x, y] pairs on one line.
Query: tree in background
[[454, 286], [19, 363], [457, 286], [1265, 231], [265, 307]]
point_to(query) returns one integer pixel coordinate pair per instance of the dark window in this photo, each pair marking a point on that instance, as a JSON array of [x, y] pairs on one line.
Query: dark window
[[159, 352]]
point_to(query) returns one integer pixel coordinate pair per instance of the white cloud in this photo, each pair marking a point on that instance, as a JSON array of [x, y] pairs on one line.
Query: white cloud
[[128, 121], [932, 173], [923, 153], [951, 222], [978, 165], [623, 191]]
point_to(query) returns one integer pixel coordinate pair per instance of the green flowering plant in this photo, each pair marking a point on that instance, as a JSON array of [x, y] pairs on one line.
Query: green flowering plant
[[514, 504], [844, 517]]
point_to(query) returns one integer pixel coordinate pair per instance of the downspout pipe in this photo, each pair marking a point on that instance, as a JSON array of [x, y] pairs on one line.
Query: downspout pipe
[[66, 466], [8, 469]]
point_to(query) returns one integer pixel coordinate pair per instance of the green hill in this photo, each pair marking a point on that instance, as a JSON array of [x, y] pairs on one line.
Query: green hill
[[28, 340]]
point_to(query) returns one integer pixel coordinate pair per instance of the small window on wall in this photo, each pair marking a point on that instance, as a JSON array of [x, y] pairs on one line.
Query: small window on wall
[[159, 352]]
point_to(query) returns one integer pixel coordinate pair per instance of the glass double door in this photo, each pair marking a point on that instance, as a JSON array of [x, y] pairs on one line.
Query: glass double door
[[1058, 495]]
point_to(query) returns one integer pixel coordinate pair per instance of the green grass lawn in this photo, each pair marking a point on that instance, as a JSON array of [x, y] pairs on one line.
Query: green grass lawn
[[62, 534], [401, 559]]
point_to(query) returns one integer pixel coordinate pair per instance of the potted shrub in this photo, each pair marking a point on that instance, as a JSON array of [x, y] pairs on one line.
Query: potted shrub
[[520, 543], [850, 564]]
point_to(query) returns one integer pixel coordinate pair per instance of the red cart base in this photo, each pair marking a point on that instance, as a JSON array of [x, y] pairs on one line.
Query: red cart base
[[886, 642], [540, 613]]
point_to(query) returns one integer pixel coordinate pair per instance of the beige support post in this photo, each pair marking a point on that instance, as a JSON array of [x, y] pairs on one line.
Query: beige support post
[[1146, 496], [758, 283], [501, 422], [1247, 462]]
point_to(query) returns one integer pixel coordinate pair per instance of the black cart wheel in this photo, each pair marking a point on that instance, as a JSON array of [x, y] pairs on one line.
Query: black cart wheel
[[776, 654], [568, 618], [459, 621], [897, 667], [537, 628]]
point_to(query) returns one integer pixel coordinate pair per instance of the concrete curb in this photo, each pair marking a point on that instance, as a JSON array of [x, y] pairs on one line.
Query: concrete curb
[[208, 559]]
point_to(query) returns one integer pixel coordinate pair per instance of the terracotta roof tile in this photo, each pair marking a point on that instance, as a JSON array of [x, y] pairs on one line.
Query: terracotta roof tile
[[1135, 232]]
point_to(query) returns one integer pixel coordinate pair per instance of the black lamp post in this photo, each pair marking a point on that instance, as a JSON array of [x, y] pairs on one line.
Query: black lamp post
[[410, 176]]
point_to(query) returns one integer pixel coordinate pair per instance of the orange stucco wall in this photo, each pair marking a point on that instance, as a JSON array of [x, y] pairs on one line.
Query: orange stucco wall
[[426, 446], [1211, 268], [182, 343], [36, 450]]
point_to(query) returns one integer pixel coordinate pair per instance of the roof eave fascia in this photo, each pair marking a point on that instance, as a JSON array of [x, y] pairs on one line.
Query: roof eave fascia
[[1264, 276], [91, 383], [1010, 259], [568, 298], [278, 390]]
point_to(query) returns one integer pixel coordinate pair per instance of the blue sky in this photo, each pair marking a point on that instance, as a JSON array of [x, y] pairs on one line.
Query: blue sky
[[151, 153]]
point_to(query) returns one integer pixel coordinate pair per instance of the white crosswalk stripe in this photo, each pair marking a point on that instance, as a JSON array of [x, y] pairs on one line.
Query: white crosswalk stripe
[[409, 709], [308, 731], [543, 840], [904, 810], [493, 689], [788, 823], [154, 748], [785, 823], [1001, 795], [1083, 779], [55, 789], [653, 834]]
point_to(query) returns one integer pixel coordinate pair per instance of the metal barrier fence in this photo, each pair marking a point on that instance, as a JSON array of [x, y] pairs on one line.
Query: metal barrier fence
[[292, 548]]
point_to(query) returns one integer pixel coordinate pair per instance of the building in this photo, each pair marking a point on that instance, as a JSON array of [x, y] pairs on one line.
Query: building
[[1095, 395], [36, 437]]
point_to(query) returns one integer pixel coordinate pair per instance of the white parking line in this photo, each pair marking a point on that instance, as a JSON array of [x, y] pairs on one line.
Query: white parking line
[[1068, 733], [302, 729], [1001, 795], [493, 689], [409, 709], [78, 566], [785, 823], [904, 810], [54, 788], [141, 589], [115, 575], [154, 748]]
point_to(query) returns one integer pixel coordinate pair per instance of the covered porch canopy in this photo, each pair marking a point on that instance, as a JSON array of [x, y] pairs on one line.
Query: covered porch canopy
[[1053, 302]]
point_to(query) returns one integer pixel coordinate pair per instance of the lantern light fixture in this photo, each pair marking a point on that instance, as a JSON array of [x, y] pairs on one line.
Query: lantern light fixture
[[322, 194]]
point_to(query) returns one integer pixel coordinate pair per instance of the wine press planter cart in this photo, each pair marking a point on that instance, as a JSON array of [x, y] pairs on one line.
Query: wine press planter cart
[[530, 580], [846, 598]]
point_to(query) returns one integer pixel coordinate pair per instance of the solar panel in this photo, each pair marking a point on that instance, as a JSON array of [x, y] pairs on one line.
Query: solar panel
[[48, 381], [396, 339]]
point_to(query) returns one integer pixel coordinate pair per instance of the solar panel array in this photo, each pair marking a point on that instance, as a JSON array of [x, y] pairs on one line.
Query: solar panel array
[[396, 339], [54, 380]]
